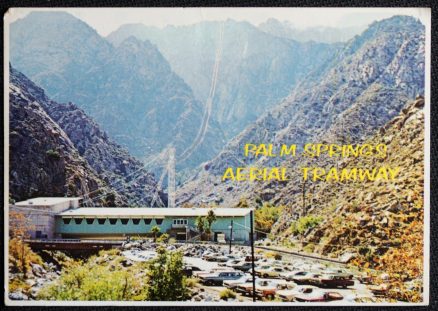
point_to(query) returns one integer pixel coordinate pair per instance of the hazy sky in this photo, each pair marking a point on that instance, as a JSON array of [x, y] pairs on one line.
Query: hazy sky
[[106, 20]]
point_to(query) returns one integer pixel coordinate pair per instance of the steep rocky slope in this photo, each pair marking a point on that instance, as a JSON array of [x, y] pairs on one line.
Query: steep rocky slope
[[43, 160], [380, 222], [74, 155], [255, 70], [360, 90], [131, 90]]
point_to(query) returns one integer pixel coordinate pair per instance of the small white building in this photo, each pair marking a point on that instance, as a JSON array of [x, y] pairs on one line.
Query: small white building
[[41, 213]]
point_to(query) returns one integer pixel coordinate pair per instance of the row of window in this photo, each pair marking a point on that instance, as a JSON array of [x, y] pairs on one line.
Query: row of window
[[112, 221], [180, 222]]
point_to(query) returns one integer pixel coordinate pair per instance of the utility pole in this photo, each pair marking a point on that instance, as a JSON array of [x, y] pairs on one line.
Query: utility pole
[[252, 256], [171, 178], [231, 234]]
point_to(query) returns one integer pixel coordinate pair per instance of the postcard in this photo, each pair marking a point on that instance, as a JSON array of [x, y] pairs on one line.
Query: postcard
[[217, 156]]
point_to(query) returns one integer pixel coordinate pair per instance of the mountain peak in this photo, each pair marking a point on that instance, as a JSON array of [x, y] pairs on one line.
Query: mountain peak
[[54, 21]]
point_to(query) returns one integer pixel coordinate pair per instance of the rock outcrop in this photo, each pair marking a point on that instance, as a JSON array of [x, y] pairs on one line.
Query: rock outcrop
[[57, 150]]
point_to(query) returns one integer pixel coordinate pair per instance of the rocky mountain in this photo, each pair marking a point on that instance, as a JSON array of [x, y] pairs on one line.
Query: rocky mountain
[[255, 69], [130, 90], [382, 222], [56, 150], [360, 90], [317, 34]]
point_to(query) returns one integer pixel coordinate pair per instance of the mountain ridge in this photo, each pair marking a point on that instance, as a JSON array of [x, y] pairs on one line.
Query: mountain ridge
[[108, 163], [368, 87], [255, 71], [131, 90]]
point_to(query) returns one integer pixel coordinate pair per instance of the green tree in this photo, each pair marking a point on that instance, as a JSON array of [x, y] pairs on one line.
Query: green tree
[[165, 277], [155, 230], [200, 224], [211, 218]]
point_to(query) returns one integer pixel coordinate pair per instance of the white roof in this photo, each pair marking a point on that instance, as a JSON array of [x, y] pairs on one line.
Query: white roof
[[153, 211], [46, 201]]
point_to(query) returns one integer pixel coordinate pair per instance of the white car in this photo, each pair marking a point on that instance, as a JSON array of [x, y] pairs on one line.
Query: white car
[[231, 284], [273, 272], [290, 294], [229, 263], [214, 270]]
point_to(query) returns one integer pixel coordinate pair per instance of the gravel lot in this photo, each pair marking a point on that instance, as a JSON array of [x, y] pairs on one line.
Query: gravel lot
[[193, 254]]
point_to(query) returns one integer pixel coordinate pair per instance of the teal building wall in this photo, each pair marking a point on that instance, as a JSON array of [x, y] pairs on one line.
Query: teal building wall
[[89, 227]]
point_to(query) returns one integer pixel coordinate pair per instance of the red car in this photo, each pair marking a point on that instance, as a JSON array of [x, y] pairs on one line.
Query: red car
[[319, 297]]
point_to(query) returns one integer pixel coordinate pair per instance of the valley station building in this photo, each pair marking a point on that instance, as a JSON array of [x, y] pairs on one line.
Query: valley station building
[[54, 218]]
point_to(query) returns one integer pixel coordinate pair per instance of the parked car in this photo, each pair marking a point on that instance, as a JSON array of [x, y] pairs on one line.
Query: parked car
[[365, 278], [319, 296], [188, 270], [269, 290], [332, 280], [289, 275], [289, 294], [256, 258], [305, 278], [246, 288], [340, 271], [379, 290], [229, 263], [219, 277], [217, 258], [242, 266], [204, 272], [210, 256], [273, 271], [232, 284]]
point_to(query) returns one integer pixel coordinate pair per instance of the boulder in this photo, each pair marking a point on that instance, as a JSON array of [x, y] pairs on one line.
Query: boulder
[[38, 270], [126, 263], [18, 295]]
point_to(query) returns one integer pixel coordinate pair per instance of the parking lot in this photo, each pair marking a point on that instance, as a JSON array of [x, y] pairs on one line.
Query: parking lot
[[279, 278]]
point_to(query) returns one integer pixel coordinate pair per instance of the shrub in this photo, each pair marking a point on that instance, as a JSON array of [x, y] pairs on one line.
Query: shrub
[[243, 203], [113, 252], [53, 154], [226, 294], [304, 223], [274, 255], [164, 238], [309, 248], [288, 243], [277, 256], [266, 216], [93, 282], [191, 282]]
